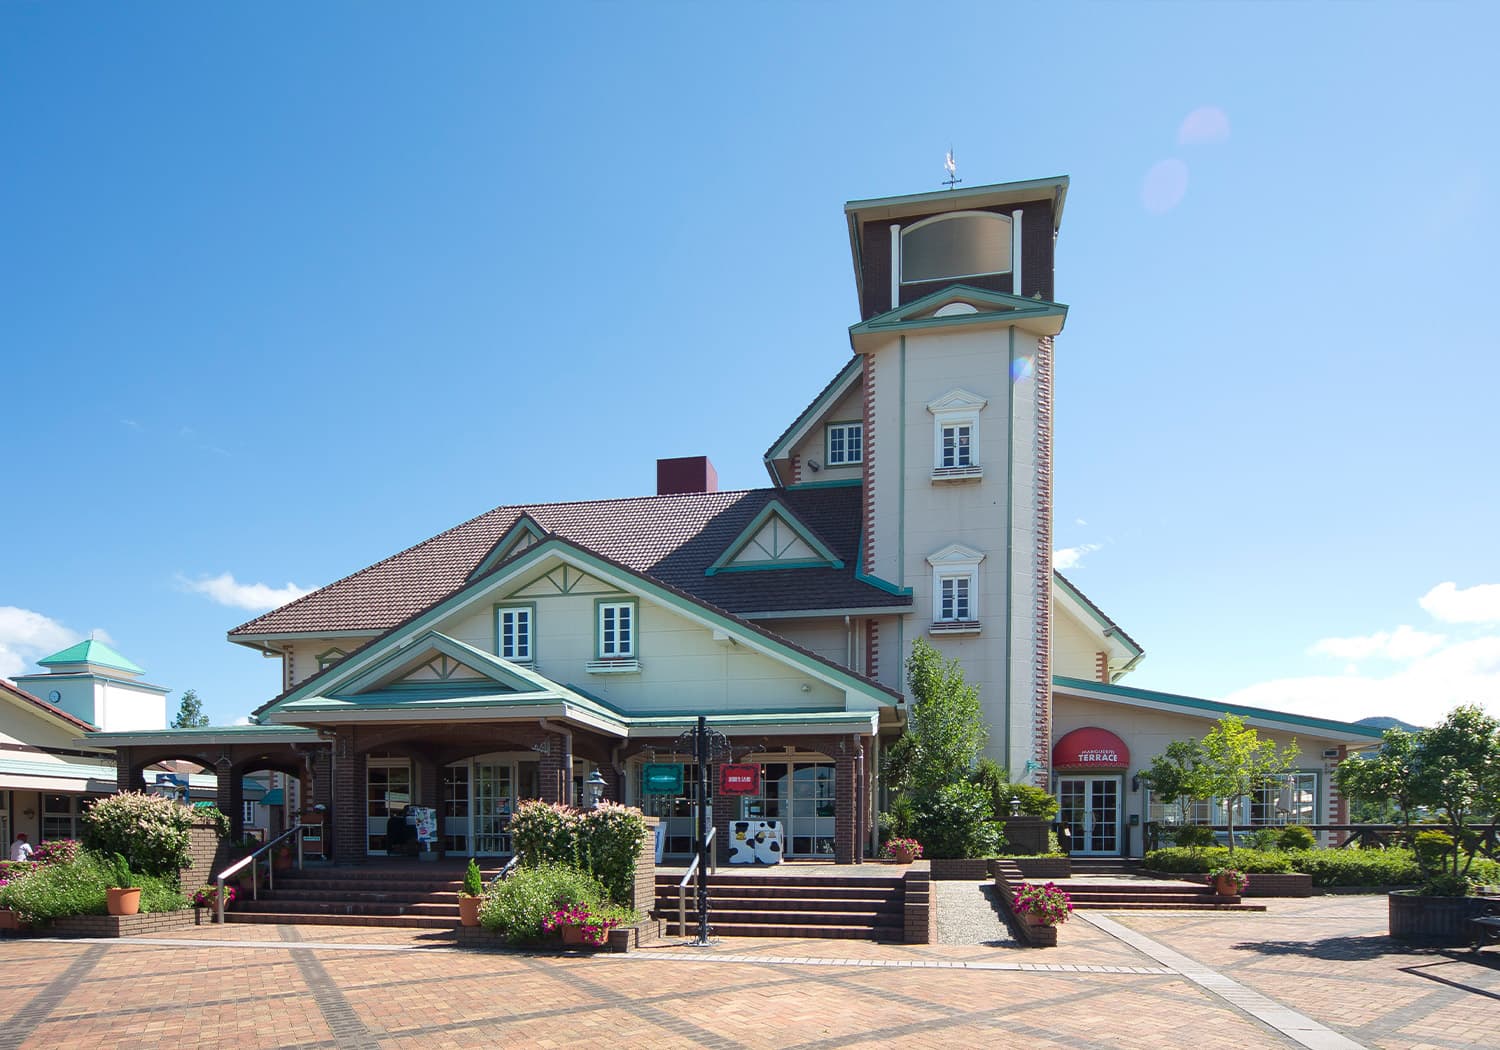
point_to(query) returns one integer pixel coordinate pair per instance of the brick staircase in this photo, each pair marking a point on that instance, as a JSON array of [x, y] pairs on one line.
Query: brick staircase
[[377, 894], [751, 904], [1113, 885]]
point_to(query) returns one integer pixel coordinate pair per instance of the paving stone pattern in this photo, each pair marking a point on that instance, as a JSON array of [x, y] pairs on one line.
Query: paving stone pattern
[[318, 986]]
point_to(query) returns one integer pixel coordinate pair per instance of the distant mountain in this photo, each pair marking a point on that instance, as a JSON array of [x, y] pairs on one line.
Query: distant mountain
[[1384, 722]]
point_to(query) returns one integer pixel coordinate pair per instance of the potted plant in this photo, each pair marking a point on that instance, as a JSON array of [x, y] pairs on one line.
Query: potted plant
[[1227, 881], [208, 897], [904, 851], [578, 925], [470, 897], [281, 857], [1043, 905], [123, 895]]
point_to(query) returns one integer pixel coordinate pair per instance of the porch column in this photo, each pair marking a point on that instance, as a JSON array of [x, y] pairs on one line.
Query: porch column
[[128, 776], [725, 809], [845, 820], [348, 812], [556, 769], [229, 795]]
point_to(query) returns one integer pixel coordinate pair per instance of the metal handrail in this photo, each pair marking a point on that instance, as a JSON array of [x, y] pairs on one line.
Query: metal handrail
[[505, 872], [713, 869], [255, 868]]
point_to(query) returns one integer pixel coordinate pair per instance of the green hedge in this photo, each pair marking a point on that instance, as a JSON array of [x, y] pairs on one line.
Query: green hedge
[[1328, 867], [1179, 860], [77, 887]]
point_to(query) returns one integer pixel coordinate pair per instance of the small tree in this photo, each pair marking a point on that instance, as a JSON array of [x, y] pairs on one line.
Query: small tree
[[1237, 763], [945, 723], [189, 712], [1456, 770], [1384, 779], [1176, 776]]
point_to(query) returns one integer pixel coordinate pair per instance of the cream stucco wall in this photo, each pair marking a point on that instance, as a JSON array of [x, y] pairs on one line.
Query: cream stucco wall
[[1074, 647], [849, 408]]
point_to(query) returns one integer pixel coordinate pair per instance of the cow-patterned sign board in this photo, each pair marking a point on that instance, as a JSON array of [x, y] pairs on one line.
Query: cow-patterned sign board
[[756, 841]]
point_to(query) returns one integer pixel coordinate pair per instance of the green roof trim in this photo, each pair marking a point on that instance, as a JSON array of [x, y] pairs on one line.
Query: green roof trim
[[1111, 629], [822, 403], [876, 581], [505, 546], [1199, 705], [92, 651], [1005, 307], [775, 508]]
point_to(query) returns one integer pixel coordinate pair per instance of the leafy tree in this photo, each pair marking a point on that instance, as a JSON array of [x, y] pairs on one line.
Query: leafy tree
[[1384, 779], [945, 723], [1237, 763], [1176, 775], [189, 712], [1456, 770]]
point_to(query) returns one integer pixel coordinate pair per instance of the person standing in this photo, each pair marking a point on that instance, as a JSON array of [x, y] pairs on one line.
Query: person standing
[[21, 850]]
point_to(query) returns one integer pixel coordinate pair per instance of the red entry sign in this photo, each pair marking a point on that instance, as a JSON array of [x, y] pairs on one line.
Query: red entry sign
[[736, 778]]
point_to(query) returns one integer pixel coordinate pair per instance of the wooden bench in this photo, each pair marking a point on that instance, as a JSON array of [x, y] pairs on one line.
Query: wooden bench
[[1486, 929]]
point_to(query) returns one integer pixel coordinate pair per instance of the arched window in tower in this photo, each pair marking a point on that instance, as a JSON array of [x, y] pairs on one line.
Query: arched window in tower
[[959, 244]]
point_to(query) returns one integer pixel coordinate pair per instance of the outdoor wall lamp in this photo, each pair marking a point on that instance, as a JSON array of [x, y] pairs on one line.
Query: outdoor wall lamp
[[596, 786], [1135, 782], [1015, 806]]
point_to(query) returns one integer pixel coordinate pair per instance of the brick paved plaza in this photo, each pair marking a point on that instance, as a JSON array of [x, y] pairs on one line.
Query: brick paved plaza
[[308, 986]]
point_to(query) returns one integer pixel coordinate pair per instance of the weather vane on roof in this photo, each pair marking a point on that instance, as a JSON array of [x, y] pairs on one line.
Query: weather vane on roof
[[951, 167]]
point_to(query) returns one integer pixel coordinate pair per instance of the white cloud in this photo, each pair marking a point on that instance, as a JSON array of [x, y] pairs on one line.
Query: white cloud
[[26, 636], [1203, 126], [1072, 557], [1465, 672], [1477, 604], [1164, 185], [1404, 643], [256, 597]]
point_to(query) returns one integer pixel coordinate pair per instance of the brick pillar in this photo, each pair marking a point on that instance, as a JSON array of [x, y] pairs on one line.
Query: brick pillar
[[550, 770], [128, 776], [348, 812], [644, 896], [229, 795], [614, 783], [845, 821], [1338, 805]]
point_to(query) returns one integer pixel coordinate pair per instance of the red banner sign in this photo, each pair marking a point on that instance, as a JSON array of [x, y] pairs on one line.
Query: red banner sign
[[739, 779]]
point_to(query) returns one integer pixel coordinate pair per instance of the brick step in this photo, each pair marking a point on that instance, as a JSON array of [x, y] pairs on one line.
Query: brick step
[[303, 918], [339, 907], [872, 893], [1095, 900], [718, 928], [366, 894], [1201, 905], [741, 917], [779, 884], [766, 905], [345, 885]]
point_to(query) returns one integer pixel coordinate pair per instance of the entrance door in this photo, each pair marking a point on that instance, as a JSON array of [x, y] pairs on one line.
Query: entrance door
[[493, 801], [800, 795], [387, 794], [1089, 807]]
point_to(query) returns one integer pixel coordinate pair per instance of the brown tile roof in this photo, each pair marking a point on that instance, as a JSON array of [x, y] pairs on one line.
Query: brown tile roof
[[747, 624], [56, 712], [671, 539]]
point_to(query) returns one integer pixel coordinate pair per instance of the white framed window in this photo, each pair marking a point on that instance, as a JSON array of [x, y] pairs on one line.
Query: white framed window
[[617, 630], [956, 445], [247, 811], [514, 625], [955, 589], [955, 436], [958, 244], [845, 444]]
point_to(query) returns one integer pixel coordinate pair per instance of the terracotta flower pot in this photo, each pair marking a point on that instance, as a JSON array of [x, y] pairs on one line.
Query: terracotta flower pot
[[572, 935], [9, 920], [1226, 887], [123, 901], [903, 855], [468, 910]]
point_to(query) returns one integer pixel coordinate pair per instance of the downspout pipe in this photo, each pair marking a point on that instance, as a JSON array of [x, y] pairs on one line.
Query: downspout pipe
[[566, 792]]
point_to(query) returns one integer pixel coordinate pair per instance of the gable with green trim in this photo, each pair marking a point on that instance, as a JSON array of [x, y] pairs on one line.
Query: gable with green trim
[[521, 535], [774, 539]]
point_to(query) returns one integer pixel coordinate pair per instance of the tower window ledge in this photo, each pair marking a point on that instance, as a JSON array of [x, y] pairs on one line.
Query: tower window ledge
[[612, 666], [956, 627], [947, 474]]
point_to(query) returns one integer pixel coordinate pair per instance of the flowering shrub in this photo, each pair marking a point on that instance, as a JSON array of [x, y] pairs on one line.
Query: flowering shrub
[[57, 851], [911, 846], [208, 896], [521, 906], [594, 924], [1045, 904], [1234, 875], [77, 887], [604, 842], [151, 832]]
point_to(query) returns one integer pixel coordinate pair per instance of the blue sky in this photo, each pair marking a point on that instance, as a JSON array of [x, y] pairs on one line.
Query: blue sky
[[285, 289]]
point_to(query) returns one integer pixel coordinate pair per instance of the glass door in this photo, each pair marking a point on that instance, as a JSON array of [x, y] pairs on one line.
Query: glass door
[[387, 794], [800, 795], [1089, 807], [492, 808]]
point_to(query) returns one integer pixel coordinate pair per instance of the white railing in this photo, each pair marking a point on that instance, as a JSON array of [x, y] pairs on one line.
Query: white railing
[[253, 860], [713, 869]]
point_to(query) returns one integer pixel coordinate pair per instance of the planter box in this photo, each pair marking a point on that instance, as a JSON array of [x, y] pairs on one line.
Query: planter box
[[1035, 934], [966, 869], [119, 925], [1044, 867], [1435, 921]]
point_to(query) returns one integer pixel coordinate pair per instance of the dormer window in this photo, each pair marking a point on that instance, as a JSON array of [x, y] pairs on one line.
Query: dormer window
[[955, 436], [959, 244], [846, 444]]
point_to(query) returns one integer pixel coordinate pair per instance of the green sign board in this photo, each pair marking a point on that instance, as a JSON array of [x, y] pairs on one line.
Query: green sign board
[[661, 778]]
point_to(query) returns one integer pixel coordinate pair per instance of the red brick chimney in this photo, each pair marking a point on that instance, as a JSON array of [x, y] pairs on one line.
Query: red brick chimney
[[685, 474]]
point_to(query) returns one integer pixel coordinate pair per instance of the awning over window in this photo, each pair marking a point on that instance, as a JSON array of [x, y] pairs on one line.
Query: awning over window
[[1090, 748]]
